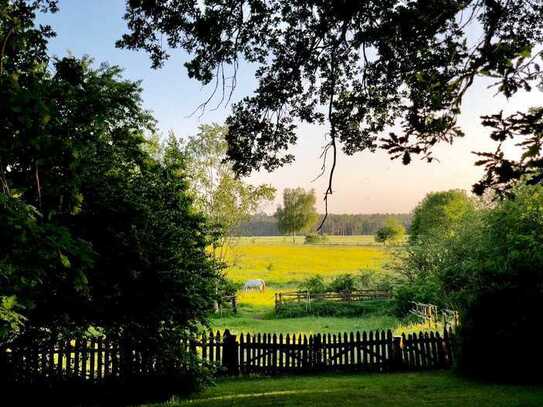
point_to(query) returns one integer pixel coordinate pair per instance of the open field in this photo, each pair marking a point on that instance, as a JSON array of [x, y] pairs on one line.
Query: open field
[[280, 262], [353, 240], [284, 265], [398, 389]]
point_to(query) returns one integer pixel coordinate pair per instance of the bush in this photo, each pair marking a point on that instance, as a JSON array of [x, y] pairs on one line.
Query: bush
[[494, 273], [314, 238], [344, 283], [315, 285]]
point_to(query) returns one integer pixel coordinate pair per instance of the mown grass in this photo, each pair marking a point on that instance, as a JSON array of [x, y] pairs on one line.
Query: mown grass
[[398, 389]]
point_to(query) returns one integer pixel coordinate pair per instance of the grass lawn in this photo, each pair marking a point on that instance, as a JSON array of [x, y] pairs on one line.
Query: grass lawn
[[338, 390]]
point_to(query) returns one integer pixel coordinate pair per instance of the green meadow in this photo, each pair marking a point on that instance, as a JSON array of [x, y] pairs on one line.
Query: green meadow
[[283, 265], [281, 262]]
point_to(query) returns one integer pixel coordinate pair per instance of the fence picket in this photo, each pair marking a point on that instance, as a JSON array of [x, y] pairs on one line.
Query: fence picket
[[95, 359]]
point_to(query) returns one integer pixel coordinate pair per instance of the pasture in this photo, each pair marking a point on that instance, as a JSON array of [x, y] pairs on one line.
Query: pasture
[[280, 262], [284, 264], [395, 389]]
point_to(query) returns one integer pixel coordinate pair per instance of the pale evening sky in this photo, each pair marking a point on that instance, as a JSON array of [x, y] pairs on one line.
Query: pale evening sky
[[364, 183]]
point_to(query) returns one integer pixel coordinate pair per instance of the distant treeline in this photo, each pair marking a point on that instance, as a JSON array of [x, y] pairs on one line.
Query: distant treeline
[[362, 224]]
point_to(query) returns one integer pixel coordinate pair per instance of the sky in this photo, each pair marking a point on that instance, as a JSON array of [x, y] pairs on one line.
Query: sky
[[364, 183]]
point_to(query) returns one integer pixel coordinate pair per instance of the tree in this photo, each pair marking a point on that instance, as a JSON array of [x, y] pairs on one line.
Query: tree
[[438, 212], [226, 199], [492, 272], [375, 66], [436, 219], [298, 211], [93, 230], [392, 231]]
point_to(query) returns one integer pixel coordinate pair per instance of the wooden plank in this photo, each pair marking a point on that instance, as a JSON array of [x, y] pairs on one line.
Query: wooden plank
[[274, 354], [371, 355], [433, 351], [92, 359], [423, 340], [241, 353], [265, 355], [287, 353], [384, 347]]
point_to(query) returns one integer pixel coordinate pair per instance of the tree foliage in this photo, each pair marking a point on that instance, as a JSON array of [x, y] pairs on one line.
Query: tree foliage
[[392, 231], [298, 212], [493, 273], [488, 266], [336, 224], [438, 212], [93, 230], [435, 221], [226, 200], [368, 68]]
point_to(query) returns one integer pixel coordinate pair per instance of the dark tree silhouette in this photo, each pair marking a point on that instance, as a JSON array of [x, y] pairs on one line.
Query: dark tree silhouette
[[366, 68]]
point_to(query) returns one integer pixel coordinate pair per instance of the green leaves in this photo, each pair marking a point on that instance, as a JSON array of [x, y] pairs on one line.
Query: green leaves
[[64, 260]]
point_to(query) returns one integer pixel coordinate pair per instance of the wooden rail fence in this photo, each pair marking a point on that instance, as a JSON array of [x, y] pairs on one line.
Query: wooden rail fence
[[98, 360], [430, 314], [298, 297]]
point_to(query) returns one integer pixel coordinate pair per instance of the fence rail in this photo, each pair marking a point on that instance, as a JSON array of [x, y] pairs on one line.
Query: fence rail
[[95, 361], [285, 298]]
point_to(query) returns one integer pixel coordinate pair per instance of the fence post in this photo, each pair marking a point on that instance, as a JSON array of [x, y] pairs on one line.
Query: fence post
[[230, 353], [396, 353], [234, 304], [317, 353]]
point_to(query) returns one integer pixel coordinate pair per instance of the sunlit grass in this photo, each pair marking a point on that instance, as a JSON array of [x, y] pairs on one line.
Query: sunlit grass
[[394, 389]]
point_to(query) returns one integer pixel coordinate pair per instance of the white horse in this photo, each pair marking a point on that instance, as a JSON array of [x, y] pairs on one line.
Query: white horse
[[256, 284]]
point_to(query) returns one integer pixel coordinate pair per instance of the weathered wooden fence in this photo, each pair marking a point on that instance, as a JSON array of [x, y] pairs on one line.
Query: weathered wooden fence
[[85, 361], [376, 351], [297, 297], [430, 314], [97, 360]]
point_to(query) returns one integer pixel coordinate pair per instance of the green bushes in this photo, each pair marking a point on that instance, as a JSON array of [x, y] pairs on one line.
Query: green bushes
[[488, 264], [347, 283], [314, 285], [314, 238]]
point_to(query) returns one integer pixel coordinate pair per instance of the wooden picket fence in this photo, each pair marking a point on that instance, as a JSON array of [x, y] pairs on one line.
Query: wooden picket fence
[[94, 360], [100, 360], [376, 351]]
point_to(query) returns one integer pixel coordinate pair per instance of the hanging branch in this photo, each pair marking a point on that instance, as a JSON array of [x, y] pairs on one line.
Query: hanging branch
[[332, 143]]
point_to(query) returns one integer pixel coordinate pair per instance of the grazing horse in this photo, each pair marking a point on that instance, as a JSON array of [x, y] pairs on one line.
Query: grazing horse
[[256, 284]]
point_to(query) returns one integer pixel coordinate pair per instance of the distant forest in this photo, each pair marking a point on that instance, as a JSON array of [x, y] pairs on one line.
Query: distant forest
[[336, 224]]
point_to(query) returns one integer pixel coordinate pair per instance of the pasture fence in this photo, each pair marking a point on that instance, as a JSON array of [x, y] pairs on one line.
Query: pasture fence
[[305, 297], [228, 301], [100, 360], [431, 315]]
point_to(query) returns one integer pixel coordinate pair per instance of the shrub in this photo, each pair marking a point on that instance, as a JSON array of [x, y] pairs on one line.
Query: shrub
[[493, 272], [344, 283], [314, 238], [315, 285]]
